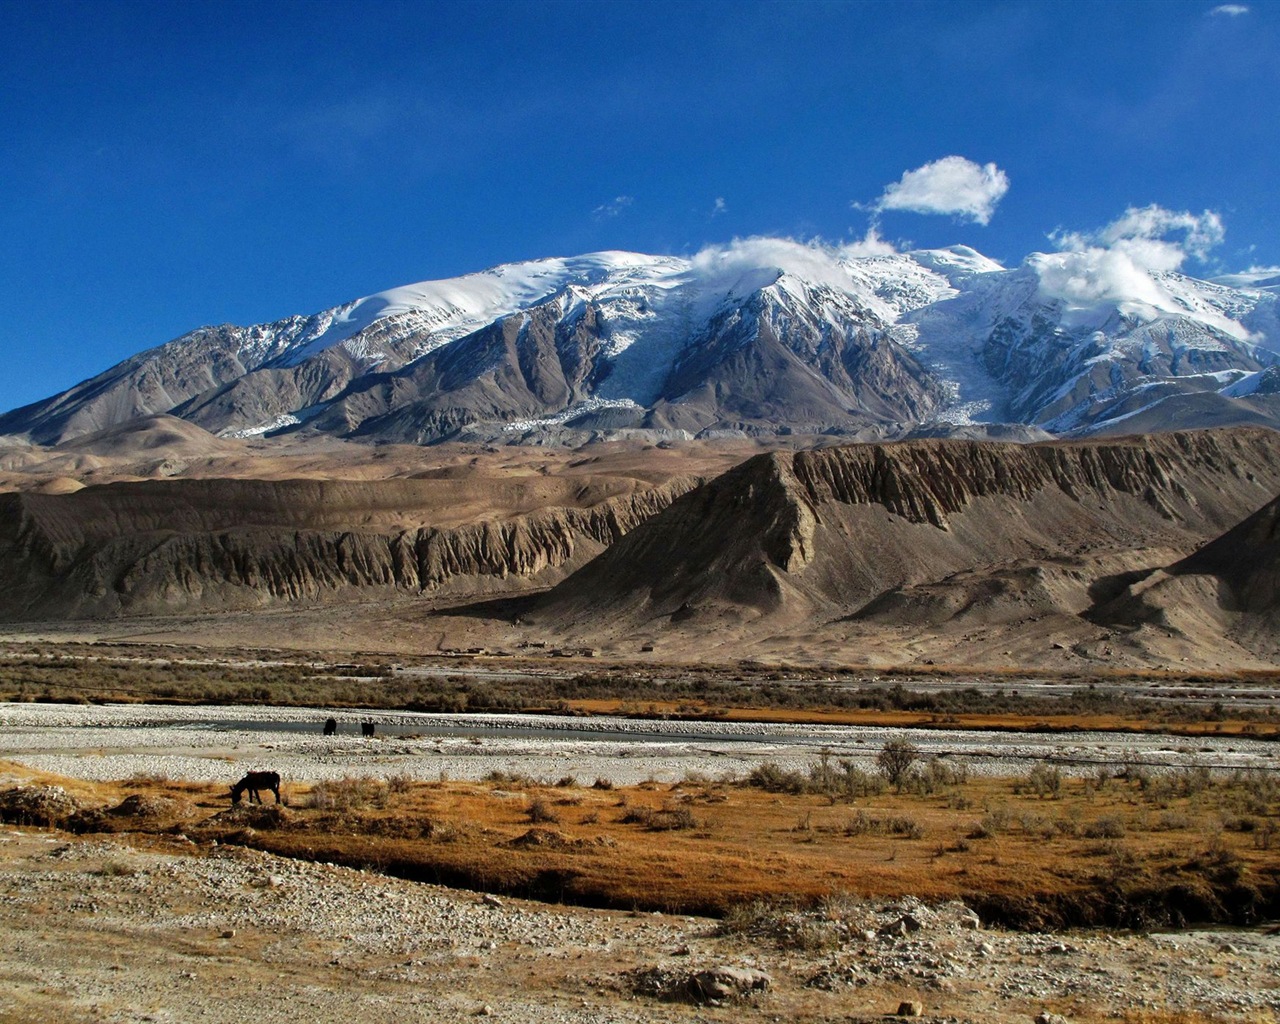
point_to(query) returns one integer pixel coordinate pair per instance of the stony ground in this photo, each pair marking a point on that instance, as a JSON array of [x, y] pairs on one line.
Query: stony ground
[[123, 930], [219, 742]]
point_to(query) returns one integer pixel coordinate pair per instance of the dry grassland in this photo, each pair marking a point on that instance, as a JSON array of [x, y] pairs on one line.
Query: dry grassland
[[1040, 851]]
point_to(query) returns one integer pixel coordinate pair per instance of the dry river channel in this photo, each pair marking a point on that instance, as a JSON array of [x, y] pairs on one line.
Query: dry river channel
[[212, 743]]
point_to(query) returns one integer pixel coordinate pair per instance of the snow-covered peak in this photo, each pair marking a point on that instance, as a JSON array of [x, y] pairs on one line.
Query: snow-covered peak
[[451, 308], [956, 261]]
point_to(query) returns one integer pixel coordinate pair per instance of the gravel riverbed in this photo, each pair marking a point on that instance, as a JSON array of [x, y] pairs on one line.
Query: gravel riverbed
[[106, 742]]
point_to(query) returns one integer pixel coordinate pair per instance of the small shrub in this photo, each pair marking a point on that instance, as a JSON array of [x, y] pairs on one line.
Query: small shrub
[[349, 794], [895, 760], [665, 820], [992, 824], [854, 782], [786, 925], [1107, 827], [1045, 780], [541, 812], [773, 778], [904, 826]]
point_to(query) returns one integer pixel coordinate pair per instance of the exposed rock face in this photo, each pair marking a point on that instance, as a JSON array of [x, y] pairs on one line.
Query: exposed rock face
[[166, 546], [923, 531]]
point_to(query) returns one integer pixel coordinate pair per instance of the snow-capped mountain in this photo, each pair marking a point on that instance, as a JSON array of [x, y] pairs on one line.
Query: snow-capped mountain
[[762, 336]]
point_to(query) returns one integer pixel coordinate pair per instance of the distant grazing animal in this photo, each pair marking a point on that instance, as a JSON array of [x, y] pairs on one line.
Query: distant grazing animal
[[330, 726], [254, 782], [366, 728]]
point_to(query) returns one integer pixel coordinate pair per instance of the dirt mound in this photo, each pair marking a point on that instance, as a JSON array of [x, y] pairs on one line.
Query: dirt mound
[[42, 806], [551, 839], [141, 806], [168, 435], [253, 816]]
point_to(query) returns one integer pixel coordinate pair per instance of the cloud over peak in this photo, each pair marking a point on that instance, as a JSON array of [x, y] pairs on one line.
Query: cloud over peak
[[952, 185], [1142, 234]]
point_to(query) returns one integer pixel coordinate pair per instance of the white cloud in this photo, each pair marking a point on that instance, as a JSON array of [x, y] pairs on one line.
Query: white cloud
[[719, 207], [871, 244], [748, 264], [952, 185], [1229, 10], [1116, 266], [612, 208], [1141, 233]]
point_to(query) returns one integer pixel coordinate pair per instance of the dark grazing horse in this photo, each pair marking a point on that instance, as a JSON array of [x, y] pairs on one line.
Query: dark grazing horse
[[254, 782]]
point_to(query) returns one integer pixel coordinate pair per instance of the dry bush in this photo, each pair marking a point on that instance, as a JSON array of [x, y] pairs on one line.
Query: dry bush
[[349, 794], [1043, 780], [994, 822], [895, 760], [1109, 826], [785, 924], [862, 824], [904, 825], [664, 820], [541, 812]]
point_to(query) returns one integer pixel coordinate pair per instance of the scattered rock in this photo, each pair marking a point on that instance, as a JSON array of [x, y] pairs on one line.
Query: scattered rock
[[724, 983], [489, 900], [909, 1009], [904, 925], [711, 987], [1045, 1017]]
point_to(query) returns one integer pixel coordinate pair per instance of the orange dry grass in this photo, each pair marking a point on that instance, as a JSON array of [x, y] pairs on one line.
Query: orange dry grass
[[988, 841]]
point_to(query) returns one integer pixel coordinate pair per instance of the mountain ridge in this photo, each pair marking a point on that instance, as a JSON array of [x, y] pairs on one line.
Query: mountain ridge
[[761, 338]]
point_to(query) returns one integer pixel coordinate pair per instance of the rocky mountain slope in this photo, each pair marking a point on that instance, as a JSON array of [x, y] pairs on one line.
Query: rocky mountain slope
[[924, 535], [760, 338], [1138, 551], [207, 545]]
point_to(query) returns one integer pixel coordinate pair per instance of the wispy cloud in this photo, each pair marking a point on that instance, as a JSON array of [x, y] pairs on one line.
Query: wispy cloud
[[1142, 234], [952, 185], [1122, 262], [615, 206], [871, 244], [719, 207], [1229, 11]]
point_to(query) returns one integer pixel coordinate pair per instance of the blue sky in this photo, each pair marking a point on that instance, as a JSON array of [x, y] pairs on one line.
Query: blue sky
[[169, 165]]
